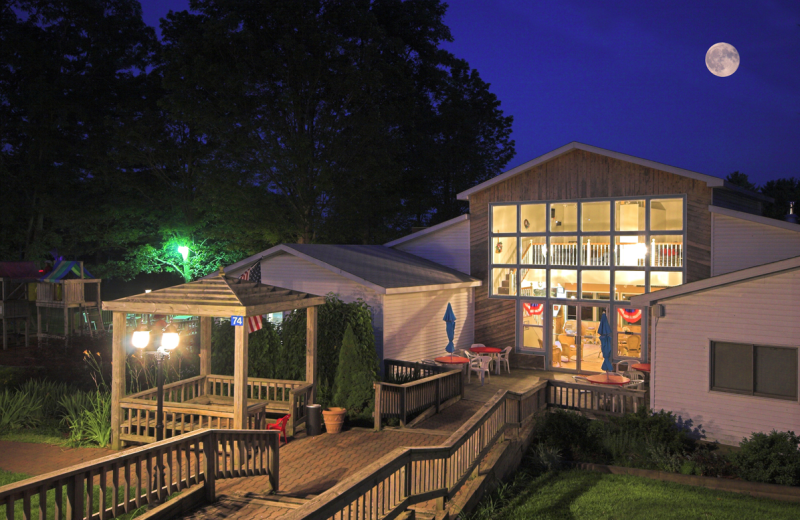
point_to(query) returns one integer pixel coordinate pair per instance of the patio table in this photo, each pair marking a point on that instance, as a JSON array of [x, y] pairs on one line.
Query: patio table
[[608, 379], [642, 367], [492, 351], [453, 360]]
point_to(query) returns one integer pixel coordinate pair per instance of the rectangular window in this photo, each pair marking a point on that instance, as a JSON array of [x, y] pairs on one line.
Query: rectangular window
[[596, 285], [504, 281], [563, 250], [504, 219], [628, 284], [533, 218], [666, 214], [754, 370], [629, 215], [596, 216], [563, 217], [596, 250], [665, 279], [629, 332], [534, 250], [504, 250], [666, 250], [533, 325], [533, 282], [630, 250], [563, 283]]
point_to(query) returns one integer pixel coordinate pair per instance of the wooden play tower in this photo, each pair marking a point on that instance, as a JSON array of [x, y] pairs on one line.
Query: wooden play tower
[[64, 294]]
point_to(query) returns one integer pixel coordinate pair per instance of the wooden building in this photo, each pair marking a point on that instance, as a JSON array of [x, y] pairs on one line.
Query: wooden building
[[577, 233], [68, 301]]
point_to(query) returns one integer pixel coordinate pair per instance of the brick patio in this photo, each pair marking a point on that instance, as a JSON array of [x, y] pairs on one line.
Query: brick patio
[[37, 459]]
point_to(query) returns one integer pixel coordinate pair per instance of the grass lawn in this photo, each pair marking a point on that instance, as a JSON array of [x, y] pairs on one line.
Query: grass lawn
[[578, 494]]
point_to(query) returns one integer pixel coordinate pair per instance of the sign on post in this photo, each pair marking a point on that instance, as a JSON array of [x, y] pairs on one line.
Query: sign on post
[[237, 321]]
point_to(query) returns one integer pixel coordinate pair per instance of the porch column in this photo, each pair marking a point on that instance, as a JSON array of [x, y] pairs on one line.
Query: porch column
[[311, 350], [240, 378], [117, 377], [205, 348]]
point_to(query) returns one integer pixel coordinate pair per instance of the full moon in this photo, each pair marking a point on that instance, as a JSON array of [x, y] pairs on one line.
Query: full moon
[[722, 59]]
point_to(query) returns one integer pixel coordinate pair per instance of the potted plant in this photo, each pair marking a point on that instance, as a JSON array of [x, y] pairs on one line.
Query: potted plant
[[352, 390]]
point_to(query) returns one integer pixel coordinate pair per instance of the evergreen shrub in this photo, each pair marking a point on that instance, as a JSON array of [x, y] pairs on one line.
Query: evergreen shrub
[[355, 375]]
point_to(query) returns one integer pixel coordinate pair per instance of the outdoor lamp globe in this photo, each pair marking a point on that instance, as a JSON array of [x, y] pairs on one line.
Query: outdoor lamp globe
[[170, 338], [141, 336]]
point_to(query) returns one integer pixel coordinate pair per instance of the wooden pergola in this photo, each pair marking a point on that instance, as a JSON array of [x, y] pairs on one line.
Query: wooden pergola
[[210, 400]]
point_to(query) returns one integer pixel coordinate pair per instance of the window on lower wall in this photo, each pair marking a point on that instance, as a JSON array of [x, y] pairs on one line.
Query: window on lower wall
[[754, 370]]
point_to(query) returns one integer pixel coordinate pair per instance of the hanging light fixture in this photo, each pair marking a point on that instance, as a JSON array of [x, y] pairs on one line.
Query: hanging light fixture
[[141, 336], [171, 337]]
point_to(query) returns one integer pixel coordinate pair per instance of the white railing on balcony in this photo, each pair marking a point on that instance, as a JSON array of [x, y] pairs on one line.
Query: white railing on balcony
[[666, 255], [600, 255], [564, 254], [596, 254]]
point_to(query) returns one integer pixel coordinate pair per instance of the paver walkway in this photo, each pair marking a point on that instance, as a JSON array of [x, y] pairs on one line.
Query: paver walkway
[[308, 466], [37, 459]]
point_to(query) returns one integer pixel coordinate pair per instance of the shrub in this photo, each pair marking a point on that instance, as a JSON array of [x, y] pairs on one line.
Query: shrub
[[72, 406], [93, 425], [18, 410], [547, 458], [568, 432], [48, 394], [659, 429], [356, 373], [772, 458]]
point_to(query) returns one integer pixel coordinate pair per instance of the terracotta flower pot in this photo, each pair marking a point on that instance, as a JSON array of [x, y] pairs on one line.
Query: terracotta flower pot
[[334, 419]]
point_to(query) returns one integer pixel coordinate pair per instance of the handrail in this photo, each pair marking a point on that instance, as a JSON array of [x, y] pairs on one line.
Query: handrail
[[401, 400], [166, 387], [594, 399], [408, 476], [159, 469]]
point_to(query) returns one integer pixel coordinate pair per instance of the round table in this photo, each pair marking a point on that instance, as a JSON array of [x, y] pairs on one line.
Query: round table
[[492, 351], [608, 379], [452, 360], [643, 367]]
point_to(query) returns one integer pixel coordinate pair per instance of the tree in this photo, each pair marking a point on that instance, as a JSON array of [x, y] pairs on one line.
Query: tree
[[782, 191], [740, 179], [355, 375]]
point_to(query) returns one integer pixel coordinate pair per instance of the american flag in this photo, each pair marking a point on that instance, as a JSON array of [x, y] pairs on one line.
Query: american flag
[[254, 324], [253, 274]]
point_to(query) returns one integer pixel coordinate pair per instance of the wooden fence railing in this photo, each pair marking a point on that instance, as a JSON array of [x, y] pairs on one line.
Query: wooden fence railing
[[408, 476], [403, 401], [594, 399], [130, 479], [408, 370]]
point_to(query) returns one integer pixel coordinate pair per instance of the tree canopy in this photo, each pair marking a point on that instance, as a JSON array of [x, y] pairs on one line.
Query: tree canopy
[[248, 124]]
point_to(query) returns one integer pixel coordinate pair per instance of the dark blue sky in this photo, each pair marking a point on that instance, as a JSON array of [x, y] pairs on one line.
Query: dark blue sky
[[631, 77]]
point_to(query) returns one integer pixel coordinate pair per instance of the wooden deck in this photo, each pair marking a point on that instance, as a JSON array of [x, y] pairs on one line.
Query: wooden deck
[[519, 380]]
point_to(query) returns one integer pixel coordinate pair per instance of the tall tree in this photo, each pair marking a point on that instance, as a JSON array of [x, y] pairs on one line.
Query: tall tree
[[740, 179], [782, 192]]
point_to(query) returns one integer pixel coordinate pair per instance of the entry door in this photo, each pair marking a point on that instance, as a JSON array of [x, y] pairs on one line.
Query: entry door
[[574, 341]]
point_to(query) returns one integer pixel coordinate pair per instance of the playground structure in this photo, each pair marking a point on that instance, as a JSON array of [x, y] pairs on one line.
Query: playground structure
[[68, 302], [15, 308]]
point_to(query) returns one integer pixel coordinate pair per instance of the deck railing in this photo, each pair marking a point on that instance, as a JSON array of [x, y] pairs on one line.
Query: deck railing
[[408, 476], [398, 370], [139, 476], [393, 401], [594, 399]]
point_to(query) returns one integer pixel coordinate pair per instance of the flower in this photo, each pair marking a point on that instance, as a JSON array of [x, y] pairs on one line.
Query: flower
[[98, 353]]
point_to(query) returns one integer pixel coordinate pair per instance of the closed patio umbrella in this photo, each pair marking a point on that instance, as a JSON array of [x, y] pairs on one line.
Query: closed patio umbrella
[[605, 343], [450, 319]]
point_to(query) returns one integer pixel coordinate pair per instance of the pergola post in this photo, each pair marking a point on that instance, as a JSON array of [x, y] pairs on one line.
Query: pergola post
[[205, 349], [240, 378], [117, 377], [311, 350]]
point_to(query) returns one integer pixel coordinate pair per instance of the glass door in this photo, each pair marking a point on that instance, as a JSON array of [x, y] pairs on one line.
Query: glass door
[[575, 341], [533, 317]]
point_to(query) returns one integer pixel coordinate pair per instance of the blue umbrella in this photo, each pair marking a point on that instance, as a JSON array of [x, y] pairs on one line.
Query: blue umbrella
[[450, 319], [605, 343]]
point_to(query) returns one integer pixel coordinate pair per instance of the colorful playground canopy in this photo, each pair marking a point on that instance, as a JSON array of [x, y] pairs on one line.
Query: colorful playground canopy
[[62, 269]]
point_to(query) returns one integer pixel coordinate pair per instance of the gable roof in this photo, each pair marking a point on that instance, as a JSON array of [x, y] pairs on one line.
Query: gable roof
[[708, 179], [429, 230], [743, 275], [383, 269], [758, 219], [217, 295]]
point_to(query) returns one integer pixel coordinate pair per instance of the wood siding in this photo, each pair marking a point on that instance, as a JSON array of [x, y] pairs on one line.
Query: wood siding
[[413, 325], [578, 175], [763, 312], [739, 244], [294, 273], [448, 247]]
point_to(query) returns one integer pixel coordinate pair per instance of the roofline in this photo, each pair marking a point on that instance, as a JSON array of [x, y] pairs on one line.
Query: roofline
[[758, 219], [743, 275], [708, 179], [439, 287], [749, 193], [426, 231]]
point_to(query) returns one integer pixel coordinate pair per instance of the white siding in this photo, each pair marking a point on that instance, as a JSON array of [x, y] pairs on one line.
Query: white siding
[[763, 311], [294, 273], [414, 328], [448, 246], [739, 244]]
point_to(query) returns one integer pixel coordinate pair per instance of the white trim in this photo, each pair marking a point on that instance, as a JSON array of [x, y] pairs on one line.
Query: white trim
[[440, 287], [758, 219], [432, 229], [743, 275], [708, 179]]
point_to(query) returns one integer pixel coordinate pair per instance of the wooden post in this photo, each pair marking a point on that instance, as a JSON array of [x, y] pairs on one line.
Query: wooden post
[[274, 463], [210, 466], [240, 378], [311, 351], [66, 314], [117, 377], [205, 349], [377, 387]]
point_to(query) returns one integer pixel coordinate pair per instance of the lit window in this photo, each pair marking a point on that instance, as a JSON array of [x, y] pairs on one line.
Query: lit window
[[628, 284], [664, 279], [504, 219], [533, 218], [666, 214], [532, 282], [595, 285], [630, 250], [629, 215], [504, 250], [563, 250], [596, 216], [563, 217], [504, 282], [563, 283]]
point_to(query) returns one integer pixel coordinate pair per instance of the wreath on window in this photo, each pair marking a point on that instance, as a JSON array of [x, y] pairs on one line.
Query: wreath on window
[[498, 248], [526, 223]]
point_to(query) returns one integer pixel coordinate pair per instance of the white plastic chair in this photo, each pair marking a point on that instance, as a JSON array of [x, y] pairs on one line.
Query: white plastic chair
[[480, 364], [636, 379], [503, 358], [625, 365]]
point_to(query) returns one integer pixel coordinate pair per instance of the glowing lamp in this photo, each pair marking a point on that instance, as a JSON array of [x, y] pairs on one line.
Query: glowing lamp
[[170, 338], [184, 251], [141, 336]]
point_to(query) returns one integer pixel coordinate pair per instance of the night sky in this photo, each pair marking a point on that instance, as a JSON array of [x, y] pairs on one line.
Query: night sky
[[631, 77]]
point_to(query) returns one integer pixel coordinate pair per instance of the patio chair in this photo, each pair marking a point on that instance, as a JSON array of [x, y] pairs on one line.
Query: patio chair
[[479, 364], [280, 425], [568, 347], [476, 345], [636, 380], [503, 358], [625, 365], [633, 346]]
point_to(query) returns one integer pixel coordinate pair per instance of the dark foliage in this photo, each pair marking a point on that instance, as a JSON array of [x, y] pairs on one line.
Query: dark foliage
[[773, 458], [356, 373]]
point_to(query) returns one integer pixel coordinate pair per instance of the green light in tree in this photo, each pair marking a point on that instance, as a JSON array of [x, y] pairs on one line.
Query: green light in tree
[[184, 251]]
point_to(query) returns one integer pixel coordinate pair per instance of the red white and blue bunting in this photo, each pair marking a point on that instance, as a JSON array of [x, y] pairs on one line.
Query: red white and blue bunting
[[533, 309], [631, 315]]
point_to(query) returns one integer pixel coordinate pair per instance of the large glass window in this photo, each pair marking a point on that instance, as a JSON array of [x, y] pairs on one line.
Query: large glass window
[[629, 215], [504, 282], [563, 217], [533, 325], [533, 282], [629, 332], [534, 250], [596, 285], [666, 250], [666, 214], [504, 219], [563, 250], [630, 250], [533, 218], [628, 284], [596, 250], [596, 216], [563, 283], [665, 280], [504, 250]]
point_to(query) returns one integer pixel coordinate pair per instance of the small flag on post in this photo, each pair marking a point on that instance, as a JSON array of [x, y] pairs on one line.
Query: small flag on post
[[253, 274], [254, 323]]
